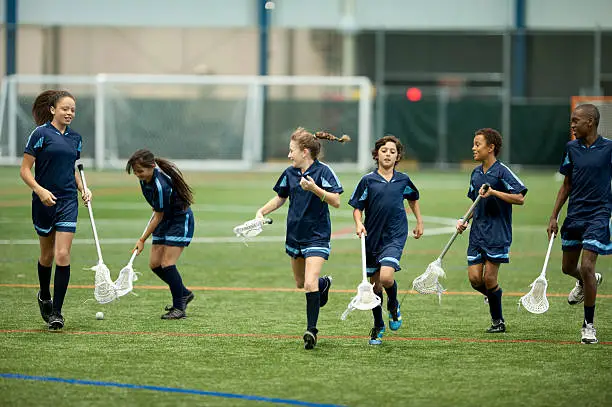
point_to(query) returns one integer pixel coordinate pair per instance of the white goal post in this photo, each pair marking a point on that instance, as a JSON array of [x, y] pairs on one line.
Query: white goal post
[[201, 122]]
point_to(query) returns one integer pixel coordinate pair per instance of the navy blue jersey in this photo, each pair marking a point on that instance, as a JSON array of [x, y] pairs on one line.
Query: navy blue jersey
[[162, 197], [55, 155], [383, 204], [590, 172], [308, 217], [492, 219]]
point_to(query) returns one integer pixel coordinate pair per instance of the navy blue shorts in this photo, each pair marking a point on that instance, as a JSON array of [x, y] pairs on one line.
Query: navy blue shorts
[[477, 254], [61, 217], [591, 234], [390, 256], [309, 249], [175, 231]]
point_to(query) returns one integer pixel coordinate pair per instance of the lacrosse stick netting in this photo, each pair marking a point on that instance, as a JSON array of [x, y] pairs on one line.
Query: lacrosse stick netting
[[104, 288], [251, 228], [365, 298], [429, 281], [535, 300], [127, 276]]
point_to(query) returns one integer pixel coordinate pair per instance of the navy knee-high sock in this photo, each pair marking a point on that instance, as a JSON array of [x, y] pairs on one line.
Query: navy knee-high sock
[[60, 286], [44, 280], [377, 312], [495, 306], [176, 286], [313, 304], [162, 275], [480, 288], [392, 296]]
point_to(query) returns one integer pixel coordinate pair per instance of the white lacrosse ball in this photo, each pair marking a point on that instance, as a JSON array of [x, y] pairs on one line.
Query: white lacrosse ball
[[269, 5], [99, 315]]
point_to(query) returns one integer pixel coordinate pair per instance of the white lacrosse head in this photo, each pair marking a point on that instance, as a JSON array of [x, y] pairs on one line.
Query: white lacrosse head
[[428, 282], [249, 229], [123, 284], [364, 300], [104, 289], [535, 300]]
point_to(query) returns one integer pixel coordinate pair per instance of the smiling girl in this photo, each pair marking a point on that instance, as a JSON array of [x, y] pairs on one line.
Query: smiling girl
[[311, 187], [54, 147], [491, 232], [172, 224]]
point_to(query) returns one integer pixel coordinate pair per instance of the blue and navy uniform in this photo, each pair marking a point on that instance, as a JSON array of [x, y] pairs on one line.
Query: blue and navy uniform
[[177, 225], [308, 222], [385, 217], [55, 155], [491, 231], [587, 223]]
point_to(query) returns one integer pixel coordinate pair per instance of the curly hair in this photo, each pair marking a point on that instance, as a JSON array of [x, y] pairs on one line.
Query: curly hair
[[491, 136], [384, 140], [41, 108]]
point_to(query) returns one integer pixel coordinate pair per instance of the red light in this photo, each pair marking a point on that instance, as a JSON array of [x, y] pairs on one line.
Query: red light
[[413, 94]]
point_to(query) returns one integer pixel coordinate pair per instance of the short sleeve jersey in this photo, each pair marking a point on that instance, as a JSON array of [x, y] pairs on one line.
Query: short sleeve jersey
[[492, 219], [308, 217], [383, 204], [55, 154], [161, 195], [590, 171]]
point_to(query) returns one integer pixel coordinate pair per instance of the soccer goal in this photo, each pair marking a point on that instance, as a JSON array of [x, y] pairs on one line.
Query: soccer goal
[[216, 123], [604, 104]]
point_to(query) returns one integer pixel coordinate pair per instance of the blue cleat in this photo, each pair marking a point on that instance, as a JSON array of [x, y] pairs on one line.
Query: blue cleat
[[395, 319], [376, 335]]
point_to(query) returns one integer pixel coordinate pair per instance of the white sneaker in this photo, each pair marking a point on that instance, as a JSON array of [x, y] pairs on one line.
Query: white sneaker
[[588, 335], [576, 296]]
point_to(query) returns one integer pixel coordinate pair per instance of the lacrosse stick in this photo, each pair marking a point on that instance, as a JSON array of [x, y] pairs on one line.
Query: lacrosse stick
[[251, 228], [365, 298], [127, 276], [535, 300], [428, 282], [104, 290]]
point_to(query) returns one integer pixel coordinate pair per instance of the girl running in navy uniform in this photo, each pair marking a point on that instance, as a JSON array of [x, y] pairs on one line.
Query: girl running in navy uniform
[[53, 147], [380, 194], [310, 186], [172, 224], [587, 166], [491, 232]]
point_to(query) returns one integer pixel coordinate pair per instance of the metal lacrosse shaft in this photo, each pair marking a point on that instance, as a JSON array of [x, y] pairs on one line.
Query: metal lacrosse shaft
[[135, 252], [467, 215], [91, 218]]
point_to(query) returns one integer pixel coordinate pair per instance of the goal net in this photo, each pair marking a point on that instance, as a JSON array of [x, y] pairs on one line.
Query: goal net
[[218, 123], [604, 104]]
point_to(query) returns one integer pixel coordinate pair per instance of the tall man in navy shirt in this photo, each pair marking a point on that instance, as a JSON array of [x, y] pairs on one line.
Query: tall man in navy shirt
[[587, 167]]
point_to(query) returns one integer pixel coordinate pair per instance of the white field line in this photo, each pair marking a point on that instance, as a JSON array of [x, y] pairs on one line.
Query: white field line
[[222, 239]]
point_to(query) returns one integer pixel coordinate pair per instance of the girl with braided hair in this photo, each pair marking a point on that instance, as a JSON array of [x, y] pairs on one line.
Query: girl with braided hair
[[311, 187]]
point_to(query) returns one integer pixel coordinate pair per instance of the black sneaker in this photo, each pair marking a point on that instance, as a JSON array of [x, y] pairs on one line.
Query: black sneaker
[[310, 340], [56, 321], [498, 326], [186, 300], [46, 308], [174, 313], [325, 293]]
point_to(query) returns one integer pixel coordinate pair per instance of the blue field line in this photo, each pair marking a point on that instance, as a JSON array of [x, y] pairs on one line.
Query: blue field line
[[165, 389]]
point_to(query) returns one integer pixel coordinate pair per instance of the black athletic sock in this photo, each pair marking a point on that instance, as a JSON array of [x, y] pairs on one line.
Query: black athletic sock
[[392, 296], [60, 286], [175, 282], [589, 315], [313, 304], [480, 288], [495, 306], [377, 312], [160, 273], [44, 280]]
